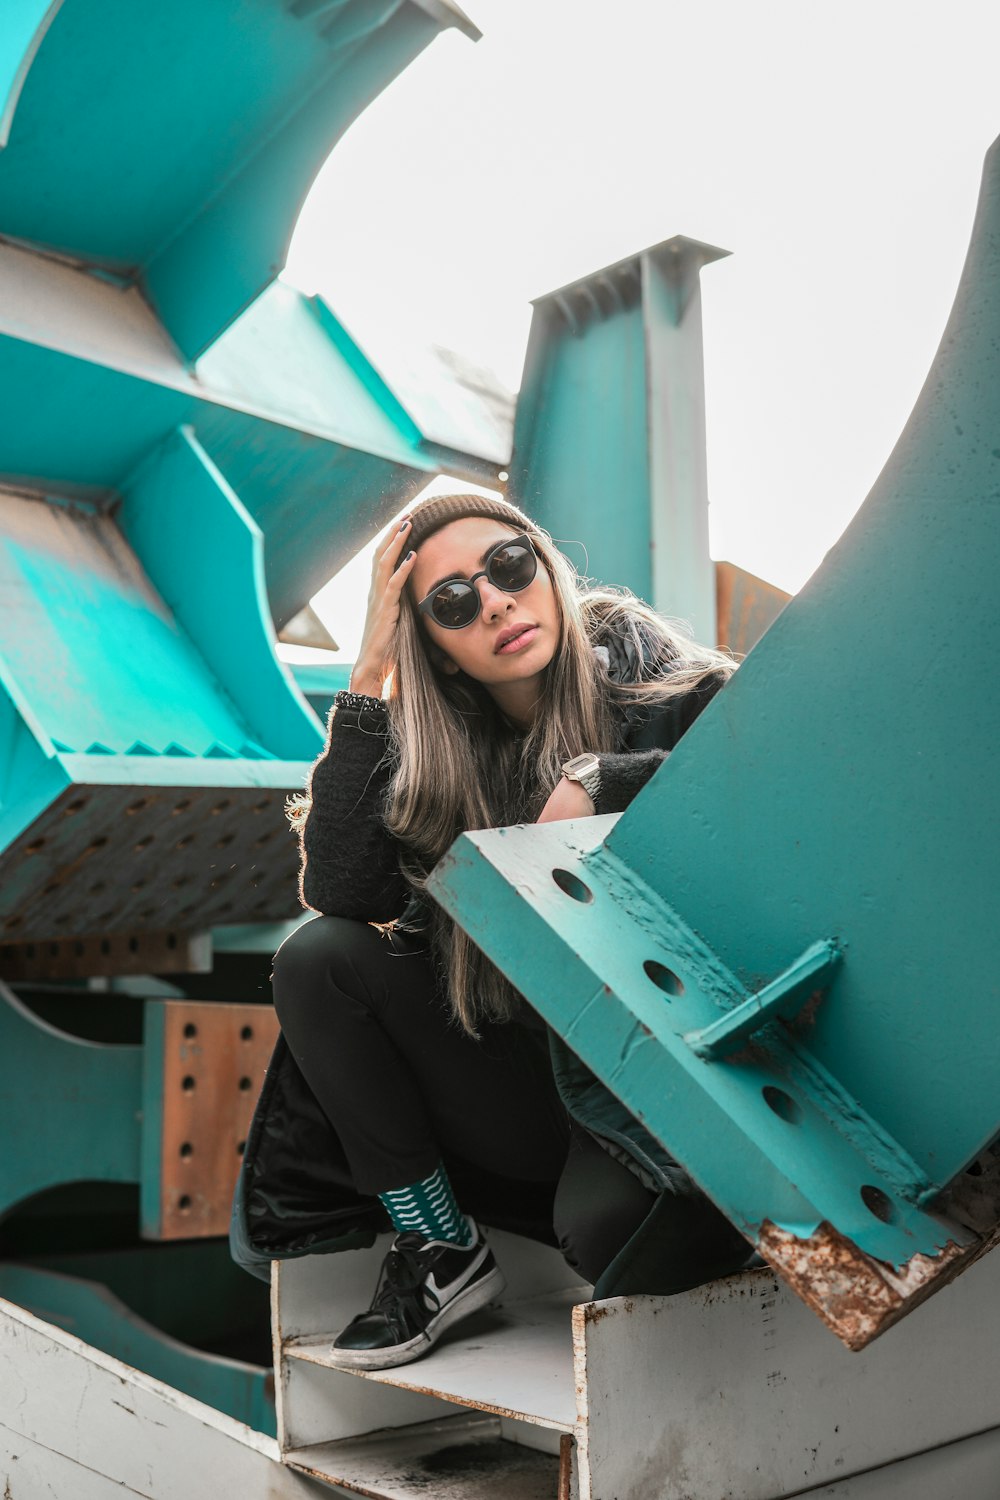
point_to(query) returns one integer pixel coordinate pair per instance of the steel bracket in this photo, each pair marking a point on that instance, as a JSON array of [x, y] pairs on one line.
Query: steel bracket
[[781, 1000]]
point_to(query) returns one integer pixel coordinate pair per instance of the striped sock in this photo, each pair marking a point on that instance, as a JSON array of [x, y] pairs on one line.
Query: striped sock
[[428, 1208]]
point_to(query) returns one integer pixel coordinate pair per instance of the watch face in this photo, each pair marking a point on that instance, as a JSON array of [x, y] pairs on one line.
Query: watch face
[[581, 764]]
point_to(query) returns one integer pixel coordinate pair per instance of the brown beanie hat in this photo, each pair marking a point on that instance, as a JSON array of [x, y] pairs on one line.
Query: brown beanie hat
[[430, 515]]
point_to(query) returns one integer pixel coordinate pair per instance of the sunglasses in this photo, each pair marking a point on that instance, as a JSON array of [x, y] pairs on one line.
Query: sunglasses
[[510, 565]]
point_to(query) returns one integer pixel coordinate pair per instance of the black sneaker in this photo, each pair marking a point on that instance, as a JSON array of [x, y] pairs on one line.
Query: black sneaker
[[424, 1287]]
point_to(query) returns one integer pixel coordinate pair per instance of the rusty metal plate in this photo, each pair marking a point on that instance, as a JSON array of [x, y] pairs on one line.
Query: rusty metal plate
[[212, 1058], [116, 953], [859, 1297], [107, 860], [745, 606]]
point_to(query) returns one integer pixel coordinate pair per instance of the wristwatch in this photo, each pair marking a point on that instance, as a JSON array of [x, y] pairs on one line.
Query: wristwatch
[[586, 769]]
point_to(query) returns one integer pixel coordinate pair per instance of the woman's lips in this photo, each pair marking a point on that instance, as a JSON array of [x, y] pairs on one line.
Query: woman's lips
[[518, 642]]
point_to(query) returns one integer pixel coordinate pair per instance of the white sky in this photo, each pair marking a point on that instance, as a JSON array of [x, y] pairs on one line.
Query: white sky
[[836, 150]]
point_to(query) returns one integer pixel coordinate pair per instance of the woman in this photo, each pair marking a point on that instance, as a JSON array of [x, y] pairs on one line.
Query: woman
[[516, 695]]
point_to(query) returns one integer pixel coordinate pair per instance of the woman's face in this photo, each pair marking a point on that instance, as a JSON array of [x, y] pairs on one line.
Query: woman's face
[[514, 637]]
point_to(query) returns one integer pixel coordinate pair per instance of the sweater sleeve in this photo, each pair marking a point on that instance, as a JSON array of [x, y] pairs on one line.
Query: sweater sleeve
[[623, 775], [350, 865]]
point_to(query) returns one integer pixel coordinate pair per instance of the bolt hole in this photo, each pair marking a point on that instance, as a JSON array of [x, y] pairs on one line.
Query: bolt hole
[[878, 1203], [976, 1169], [135, 807], [171, 940], [143, 844], [187, 1083], [53, 949], [665, 979], [133, 945], [186, 1149], [569, 883], [245, 1084], [138, 885], [34, 848], [74, 807], [105, 946], [180, 807], [97, 843], [183, 843], [30, 950], [190, 1029], [78, 949], [218, 808], [783, 1105], [241, 1146], [260, 807], [246, 1032], [184, 1202]]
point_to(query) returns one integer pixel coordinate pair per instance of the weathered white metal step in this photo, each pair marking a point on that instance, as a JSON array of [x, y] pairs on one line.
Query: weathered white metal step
[[455, 1459], [78, 1424], [514, 1361], [733, 1389]]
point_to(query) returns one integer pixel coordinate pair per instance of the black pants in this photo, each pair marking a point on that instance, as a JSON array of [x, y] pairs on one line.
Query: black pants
[[405, 1087]]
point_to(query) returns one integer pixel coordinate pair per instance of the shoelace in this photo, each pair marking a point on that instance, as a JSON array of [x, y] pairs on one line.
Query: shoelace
[[401, 1290]]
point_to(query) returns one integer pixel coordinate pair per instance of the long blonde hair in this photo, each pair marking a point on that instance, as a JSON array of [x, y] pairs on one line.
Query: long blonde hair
[[458, 763]]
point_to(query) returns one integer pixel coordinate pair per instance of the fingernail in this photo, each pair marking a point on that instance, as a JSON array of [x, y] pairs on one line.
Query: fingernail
[[408, 556], [405, 523]]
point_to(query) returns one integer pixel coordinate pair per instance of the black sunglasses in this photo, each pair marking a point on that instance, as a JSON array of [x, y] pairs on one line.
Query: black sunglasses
[[510, 565]]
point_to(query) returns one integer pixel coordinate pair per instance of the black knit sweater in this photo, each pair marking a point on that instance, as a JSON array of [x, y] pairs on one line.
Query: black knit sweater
[[350, 861]]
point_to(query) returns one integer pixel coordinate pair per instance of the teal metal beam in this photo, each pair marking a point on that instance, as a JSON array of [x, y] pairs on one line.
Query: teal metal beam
[[184, 173], [611, 417], [840, 791], [25, 22], [71, 1106], [204, 554]]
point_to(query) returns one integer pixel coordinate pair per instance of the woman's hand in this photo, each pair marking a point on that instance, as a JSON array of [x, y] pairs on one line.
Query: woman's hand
[[373, 664], [568, 799]]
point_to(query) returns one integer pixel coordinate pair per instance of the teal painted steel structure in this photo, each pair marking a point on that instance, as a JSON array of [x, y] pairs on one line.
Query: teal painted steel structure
[[183, 172], [90, 1311], [188, 452], [840, 792], [609, 435]]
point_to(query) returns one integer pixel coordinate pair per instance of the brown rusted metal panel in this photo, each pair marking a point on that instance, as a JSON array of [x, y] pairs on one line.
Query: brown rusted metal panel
[[856, 1296], [213, 1056], [859, 1297], [109, 860], [745, 606], [115, 953]]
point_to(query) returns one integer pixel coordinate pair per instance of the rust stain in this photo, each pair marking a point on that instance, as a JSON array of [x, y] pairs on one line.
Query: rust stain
[[565, 1466], [593, 1312], [215, 1055], [856, 1296]]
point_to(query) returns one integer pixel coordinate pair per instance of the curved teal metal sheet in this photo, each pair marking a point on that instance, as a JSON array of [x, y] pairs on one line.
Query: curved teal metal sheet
[[841, 790], [174, 145]]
